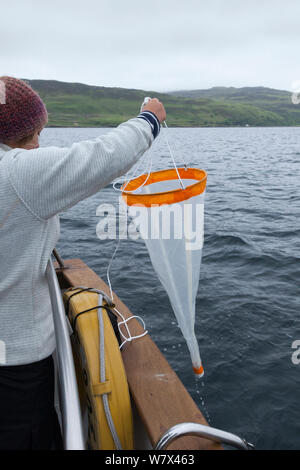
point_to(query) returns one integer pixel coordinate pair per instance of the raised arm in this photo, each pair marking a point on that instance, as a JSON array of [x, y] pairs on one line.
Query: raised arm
[[50, 180]]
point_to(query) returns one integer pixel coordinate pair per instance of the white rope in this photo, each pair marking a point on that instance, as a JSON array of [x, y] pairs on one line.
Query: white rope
[[124, 321], [127, 181], [129, 338], [102, 371], [172, 156], [109, 266]]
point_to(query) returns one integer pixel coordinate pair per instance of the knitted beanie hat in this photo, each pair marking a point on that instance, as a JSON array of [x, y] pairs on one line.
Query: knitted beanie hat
[[22, 112]]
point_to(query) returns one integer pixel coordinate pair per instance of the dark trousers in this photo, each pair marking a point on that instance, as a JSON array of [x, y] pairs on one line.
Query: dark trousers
[[27, 416]]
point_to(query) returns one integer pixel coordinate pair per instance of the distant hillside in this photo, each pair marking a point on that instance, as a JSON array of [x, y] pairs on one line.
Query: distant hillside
[[267, 99], [231, 93], [75, 104]]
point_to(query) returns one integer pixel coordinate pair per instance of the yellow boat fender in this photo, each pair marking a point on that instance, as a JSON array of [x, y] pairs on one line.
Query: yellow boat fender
[[100, 371]]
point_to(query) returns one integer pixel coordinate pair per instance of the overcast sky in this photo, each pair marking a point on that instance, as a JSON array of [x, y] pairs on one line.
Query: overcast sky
[[153, 45]]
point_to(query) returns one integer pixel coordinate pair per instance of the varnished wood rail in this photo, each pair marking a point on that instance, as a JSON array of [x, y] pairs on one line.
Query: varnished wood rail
[[159, 395]]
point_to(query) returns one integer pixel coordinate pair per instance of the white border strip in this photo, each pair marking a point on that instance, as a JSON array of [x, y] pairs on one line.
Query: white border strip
[[2, 92]]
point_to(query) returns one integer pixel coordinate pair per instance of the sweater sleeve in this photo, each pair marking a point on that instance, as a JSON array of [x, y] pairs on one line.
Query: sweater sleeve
[[50, 180]]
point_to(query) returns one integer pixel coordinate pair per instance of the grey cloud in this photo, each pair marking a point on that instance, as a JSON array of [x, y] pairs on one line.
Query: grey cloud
[[154, 45]]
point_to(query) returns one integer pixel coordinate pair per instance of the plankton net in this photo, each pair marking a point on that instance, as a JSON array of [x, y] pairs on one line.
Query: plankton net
[[168, 209]]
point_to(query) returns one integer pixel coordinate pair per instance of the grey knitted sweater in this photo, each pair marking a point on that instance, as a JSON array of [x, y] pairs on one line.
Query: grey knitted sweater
[[35, 185]]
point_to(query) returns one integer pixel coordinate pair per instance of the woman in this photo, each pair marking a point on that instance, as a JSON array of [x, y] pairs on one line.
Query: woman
[[36, 184]]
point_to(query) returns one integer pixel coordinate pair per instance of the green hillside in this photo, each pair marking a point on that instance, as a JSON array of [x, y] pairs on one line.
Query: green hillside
[[267, 99], [75, 104]]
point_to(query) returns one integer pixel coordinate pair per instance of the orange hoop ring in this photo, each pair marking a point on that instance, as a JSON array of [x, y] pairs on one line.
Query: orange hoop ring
[[167, 197]]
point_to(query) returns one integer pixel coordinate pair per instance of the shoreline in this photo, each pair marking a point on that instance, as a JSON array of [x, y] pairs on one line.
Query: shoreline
[[180, 127]]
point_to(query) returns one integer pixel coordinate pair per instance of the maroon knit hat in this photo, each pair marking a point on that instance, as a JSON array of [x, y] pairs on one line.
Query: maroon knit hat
[[22, 112]]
